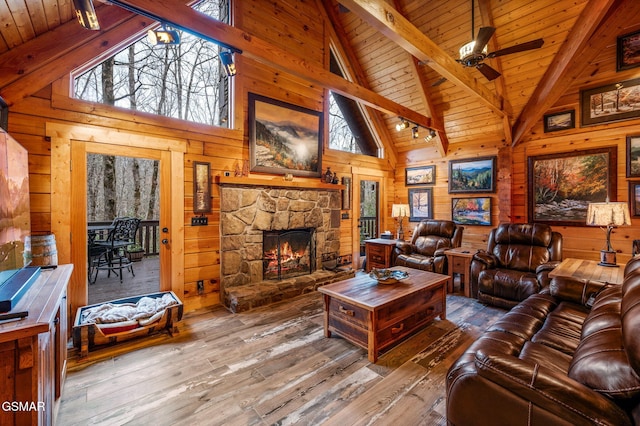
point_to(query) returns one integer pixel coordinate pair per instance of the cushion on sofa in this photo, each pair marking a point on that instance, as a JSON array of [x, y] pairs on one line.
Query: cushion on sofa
[[508, 284]]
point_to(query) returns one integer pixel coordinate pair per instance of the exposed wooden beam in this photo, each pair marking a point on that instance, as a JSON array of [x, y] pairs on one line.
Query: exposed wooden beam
[[586, 39], [441, 142], [182, 16], [392, 24]]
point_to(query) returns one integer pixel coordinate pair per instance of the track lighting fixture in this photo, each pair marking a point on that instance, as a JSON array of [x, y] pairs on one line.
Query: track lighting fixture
[[163, 36], [403, 124], [86, 14], [226, 58], [414, 132], [430, 136]]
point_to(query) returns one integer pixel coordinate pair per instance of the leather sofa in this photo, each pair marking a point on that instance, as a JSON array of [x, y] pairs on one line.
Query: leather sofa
[[428, 243], [569, 355], [516, 263]]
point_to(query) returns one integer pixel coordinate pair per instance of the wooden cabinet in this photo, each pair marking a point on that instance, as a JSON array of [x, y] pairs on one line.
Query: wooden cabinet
[[33, 352], [378, 252]]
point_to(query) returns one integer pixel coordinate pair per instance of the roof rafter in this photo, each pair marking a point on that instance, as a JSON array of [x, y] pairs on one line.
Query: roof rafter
[[573, 57], [182, 16], [392, 24]]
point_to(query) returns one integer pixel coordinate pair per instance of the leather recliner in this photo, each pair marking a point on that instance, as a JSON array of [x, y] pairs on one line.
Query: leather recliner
[[569, 355], [516, 263], [428, 243]]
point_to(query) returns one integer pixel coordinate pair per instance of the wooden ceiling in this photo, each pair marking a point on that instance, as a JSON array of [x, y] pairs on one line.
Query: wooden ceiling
[[402, 50]]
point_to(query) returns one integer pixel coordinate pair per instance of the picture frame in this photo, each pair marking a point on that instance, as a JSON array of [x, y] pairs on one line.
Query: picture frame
[[346, 193], [471, 210], [561, 185], [557, 121], [628, 51], [422, 175], [472, 175], [610, 103], [420, 204], [284, 138], [201, 187], [633, 156], [634, 198]]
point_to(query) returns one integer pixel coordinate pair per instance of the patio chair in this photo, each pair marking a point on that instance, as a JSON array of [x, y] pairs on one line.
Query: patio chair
[[120, 236]]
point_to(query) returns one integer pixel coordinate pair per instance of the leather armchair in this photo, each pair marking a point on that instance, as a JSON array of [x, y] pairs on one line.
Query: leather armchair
[[429, 241], [516, 263]]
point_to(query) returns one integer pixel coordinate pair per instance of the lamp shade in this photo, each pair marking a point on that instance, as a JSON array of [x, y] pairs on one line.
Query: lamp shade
[[163, 36], [227, 62], [608, 214], [399, 210]]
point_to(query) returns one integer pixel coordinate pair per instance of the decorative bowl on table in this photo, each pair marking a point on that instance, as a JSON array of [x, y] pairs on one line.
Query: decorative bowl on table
[[387, 276]]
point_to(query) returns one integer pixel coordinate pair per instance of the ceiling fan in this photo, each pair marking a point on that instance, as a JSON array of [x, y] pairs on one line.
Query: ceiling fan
[[475, 52]]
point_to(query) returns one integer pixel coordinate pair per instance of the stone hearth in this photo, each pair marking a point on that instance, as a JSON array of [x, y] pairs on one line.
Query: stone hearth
[[246, 211]]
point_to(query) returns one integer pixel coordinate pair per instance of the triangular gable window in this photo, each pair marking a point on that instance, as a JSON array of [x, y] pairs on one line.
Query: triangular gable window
[[349, 128]]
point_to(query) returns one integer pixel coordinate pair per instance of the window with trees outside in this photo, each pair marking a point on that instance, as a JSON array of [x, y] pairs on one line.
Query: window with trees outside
[[349, 128], [184, 81]]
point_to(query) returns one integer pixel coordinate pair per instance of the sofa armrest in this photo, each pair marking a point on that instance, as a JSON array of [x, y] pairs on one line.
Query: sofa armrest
[[576, 290], [404, 248], [488, 260], [551, 390], [542, 272]]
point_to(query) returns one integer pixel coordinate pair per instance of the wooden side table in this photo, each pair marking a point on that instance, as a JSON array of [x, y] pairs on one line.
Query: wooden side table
[[588, 270], [378, 252], [459, 262]]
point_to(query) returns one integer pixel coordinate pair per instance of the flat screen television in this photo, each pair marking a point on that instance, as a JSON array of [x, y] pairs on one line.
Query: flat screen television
[[15, 221]]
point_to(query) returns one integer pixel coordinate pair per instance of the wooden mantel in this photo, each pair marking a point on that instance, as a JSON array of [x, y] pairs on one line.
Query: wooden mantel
[[279, 182]]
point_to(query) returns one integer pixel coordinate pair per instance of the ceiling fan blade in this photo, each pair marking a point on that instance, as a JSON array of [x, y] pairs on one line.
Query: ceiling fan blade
[[438, 82], [488, 72], [484, 34], [533, 44]]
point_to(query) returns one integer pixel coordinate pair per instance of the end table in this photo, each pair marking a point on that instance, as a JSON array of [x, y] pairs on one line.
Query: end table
[[459, 262]]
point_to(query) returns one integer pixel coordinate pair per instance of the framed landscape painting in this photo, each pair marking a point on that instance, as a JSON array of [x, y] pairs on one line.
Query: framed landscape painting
[[284, 138], [423, 175], [420, 204], [559, 121], [473, 175], [471, 210], [613, 102], [561, 186], [633, 156], [634, 198], [628, 51]]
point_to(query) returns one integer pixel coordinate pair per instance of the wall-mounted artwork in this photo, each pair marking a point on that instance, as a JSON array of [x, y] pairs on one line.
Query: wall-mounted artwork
[[562, 185], [628, 51], [613, 102], [633, 156], [420, 204], [634, 198], [471, 210], [472, 175], [423, 175], [284, 138], [201, 187], [559, 121]]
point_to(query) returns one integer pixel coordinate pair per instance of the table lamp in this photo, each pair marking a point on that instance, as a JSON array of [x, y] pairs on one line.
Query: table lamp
[[399, 211], [609, 215]]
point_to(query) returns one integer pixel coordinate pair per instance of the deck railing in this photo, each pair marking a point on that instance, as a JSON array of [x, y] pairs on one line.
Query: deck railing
[[147, 236]]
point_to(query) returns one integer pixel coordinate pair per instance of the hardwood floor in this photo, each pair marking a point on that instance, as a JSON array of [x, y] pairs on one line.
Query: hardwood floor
[[271, 365]]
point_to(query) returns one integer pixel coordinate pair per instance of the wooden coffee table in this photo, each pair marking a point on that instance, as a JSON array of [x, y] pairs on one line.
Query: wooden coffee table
[[377, 316]]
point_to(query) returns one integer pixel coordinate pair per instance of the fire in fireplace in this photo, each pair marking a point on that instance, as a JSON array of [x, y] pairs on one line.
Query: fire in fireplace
[[288, 253]]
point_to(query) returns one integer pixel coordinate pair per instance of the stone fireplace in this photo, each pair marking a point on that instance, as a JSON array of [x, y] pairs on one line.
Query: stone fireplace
[[248, 212]]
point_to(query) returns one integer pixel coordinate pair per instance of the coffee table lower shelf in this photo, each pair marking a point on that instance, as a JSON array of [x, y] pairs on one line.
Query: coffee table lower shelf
[[376, 316]]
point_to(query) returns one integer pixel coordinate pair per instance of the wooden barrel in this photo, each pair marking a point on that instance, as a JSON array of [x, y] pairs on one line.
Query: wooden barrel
[[41, 250]]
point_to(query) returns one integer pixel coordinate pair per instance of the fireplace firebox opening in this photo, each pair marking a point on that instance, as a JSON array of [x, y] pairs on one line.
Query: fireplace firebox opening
[[288, 253]]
